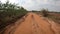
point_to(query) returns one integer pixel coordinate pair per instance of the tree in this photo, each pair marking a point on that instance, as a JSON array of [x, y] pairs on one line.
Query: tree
[[45, 12]]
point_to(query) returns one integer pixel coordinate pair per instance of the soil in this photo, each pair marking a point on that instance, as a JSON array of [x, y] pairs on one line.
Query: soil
[[34, 24]]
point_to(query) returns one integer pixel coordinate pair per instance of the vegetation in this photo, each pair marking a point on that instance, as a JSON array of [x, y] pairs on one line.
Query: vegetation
[[55, 16], [9, 13], [44, 12]]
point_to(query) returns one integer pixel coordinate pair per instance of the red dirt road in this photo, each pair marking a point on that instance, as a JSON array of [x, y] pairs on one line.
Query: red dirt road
[[35, 24]]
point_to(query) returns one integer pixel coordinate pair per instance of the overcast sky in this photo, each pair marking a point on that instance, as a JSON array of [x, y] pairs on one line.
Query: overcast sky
[[53, 5]]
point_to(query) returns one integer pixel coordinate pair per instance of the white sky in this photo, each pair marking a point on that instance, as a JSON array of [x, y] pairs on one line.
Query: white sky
[[37, 4], [11, 1]]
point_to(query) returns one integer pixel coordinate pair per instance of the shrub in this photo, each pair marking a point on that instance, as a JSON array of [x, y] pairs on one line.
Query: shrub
[[9, 13], [44, 12]]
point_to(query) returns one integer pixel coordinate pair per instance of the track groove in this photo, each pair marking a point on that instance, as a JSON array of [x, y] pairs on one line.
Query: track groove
[[34, 24]]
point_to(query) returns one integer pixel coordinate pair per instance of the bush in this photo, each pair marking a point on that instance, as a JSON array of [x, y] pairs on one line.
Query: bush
[[9, 13], [44, 12]]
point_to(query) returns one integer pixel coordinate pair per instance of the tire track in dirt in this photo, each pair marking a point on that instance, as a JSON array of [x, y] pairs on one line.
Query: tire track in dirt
[[43, 24], [50, 22], [11, 28], [54, 26], [34, 24], [36, 27]]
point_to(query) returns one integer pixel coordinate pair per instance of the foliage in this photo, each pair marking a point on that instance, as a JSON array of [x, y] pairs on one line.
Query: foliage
[[9, 13], [44, 12]]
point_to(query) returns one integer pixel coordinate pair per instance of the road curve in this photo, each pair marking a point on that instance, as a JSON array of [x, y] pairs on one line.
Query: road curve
[[34, 24]]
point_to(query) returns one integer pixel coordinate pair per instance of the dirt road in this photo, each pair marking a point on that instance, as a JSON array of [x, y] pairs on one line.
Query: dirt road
[[35, 24]]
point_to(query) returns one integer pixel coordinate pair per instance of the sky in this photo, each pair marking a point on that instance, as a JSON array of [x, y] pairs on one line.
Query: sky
[[53, 5]]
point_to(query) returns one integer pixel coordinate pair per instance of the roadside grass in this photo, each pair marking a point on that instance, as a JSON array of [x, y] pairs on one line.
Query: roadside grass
[[54, 18]]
